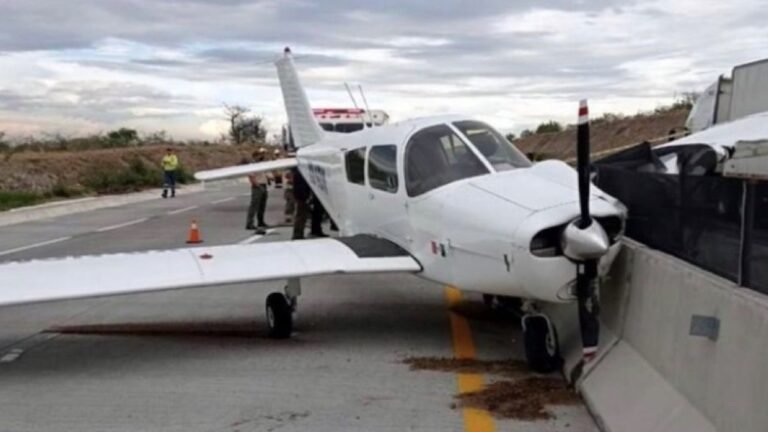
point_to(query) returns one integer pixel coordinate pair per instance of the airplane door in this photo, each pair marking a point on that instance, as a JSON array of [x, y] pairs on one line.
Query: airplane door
[[355, 214], [385, 202]]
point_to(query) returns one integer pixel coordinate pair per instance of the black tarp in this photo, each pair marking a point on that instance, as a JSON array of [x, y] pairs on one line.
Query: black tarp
[[697, 218]]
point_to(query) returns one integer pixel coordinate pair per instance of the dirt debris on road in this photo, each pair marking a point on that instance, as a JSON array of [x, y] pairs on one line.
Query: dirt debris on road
[[520, 394], [523, 399]]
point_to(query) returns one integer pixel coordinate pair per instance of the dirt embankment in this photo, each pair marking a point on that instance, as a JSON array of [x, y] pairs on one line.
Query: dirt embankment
[[606, 134], [43, 172]]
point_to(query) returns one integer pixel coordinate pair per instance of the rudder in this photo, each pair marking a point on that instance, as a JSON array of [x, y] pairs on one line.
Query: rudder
[[304, 127]]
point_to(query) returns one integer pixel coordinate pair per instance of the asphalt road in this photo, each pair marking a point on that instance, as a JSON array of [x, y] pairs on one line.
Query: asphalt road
[[199, 359]]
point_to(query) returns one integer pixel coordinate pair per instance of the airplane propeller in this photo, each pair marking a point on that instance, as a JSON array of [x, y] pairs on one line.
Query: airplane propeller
[[584, 241]]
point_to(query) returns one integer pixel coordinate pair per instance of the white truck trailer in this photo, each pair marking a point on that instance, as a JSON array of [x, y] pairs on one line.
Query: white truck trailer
[[742, 94]]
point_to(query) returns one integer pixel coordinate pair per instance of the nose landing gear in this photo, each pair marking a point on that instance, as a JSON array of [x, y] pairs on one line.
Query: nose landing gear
[[542, 350]]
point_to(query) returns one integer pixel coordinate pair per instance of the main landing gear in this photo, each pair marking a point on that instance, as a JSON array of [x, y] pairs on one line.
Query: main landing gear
[[542, 351], [281, 310]]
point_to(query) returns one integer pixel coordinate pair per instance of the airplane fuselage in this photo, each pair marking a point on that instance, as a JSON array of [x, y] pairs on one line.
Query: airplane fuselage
[[475, 232]]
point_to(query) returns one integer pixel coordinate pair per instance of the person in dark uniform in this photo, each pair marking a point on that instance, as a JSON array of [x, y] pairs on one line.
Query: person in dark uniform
[[258, 203], [301, 194], [318, 213]]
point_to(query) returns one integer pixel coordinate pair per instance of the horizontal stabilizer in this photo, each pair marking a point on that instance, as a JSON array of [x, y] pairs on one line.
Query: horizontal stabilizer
[[244, 170], [103, 275]]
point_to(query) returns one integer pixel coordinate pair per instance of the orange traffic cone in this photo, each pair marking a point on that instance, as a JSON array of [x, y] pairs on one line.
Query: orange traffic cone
[[194, 234]]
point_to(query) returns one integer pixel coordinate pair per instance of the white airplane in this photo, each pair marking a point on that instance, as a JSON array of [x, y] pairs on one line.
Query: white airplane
[[446, 198]]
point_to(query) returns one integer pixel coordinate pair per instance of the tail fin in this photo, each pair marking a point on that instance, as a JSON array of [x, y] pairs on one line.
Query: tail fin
[[304, 128]]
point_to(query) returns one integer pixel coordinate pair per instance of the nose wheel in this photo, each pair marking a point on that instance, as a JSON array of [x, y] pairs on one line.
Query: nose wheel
[[542, 351]]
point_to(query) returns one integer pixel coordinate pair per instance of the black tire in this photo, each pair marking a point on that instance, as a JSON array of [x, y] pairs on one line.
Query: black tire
[[279, 316], [542, 350]]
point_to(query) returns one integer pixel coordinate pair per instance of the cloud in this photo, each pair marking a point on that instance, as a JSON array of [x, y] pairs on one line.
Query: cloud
[[170, 64]]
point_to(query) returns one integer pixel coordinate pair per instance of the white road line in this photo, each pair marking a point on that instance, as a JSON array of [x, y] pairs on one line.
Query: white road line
[[122, 225], [182, 210], [223, 200], [253, 238], [250, 239], [11, 355], [32, 246]]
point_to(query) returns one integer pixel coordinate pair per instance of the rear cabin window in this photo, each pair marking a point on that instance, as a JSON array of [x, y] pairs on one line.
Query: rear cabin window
[[354, 161], [382, 168], [435, 157], [501, 154]]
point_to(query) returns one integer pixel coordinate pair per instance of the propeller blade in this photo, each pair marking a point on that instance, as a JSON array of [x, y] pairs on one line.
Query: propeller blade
[[582, 163], [589, 308], [586, 277]]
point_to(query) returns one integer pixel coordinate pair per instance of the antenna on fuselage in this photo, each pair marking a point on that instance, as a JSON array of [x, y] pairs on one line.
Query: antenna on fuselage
[[365, 101]]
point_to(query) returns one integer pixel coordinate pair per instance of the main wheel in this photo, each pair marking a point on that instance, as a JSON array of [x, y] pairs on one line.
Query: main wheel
[[279, 316], [541, 346]]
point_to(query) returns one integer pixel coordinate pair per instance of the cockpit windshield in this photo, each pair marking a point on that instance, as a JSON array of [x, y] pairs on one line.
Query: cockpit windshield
[[501, 154], [436, 156]]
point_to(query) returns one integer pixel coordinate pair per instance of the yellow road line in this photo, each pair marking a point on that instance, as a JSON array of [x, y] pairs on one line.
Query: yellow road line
[[475, 420]]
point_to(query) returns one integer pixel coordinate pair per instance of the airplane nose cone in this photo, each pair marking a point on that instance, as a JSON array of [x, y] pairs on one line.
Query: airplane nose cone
[[583, 244]]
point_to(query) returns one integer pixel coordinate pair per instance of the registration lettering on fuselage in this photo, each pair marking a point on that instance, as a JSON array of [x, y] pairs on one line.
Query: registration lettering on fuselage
[[317, 177]]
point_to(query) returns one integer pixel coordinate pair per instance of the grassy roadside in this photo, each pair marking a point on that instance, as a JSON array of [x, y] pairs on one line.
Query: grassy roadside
[[9, 200], [137, 176]]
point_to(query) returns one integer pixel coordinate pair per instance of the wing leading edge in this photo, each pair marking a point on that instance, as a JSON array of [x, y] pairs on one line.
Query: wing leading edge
[[244, 170], [103, 275]]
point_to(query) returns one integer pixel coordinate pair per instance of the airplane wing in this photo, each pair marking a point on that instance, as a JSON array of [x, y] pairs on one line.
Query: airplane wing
[[103, 275], [244, 170]]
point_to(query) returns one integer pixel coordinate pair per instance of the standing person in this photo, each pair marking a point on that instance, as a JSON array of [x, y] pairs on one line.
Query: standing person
[[277, 175], [170, 164], [318, 213], [301, 193], [258, 198], [290, 200]]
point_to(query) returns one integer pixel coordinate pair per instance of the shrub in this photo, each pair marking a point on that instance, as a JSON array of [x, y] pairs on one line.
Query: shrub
[[549, 127], [9, 200], [137, 176]]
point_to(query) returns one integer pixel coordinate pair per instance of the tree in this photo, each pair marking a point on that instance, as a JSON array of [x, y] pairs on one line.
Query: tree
[[156, 137], [511, 137], [549, 127], [235, 114], [123, 137], [251, 129], [243, 128], [526, 133], [686, 100]]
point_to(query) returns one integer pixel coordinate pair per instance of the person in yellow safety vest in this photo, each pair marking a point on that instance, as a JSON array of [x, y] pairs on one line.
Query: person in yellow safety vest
[[170, 164]]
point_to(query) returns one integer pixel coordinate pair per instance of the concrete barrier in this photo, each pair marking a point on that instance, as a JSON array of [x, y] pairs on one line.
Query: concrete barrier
[[651, 373]]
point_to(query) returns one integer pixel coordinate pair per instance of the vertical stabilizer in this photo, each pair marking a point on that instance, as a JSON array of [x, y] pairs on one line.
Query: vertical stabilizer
[[304, 128]]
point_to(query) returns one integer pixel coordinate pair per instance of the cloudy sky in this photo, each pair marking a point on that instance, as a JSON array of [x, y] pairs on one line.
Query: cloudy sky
[[83, 66]]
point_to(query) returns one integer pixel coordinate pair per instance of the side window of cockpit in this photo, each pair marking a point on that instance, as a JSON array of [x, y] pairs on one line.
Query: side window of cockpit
[[436, 156], [382, 168], [354, 161]]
